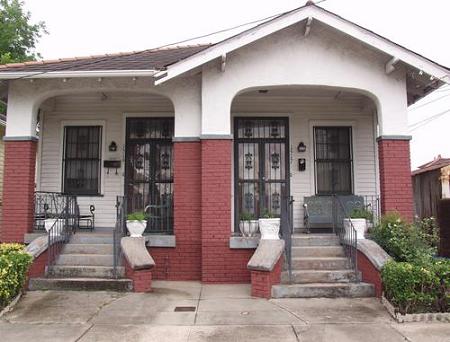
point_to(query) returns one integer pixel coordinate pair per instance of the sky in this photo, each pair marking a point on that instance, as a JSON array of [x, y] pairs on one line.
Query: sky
[[89, 27]]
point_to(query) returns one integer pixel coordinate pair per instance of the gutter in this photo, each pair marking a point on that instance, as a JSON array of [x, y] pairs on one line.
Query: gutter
[[11, 75]]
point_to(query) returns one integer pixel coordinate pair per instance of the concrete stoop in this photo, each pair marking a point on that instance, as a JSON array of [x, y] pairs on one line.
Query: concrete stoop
[[80, 284], [85, 263], [320, 269], [351, 290]]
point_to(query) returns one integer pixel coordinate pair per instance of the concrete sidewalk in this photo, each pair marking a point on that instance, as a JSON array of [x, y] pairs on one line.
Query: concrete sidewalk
[[221, 313]]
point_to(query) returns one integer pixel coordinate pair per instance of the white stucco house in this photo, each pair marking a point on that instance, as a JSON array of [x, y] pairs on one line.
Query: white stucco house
[[307, 104]]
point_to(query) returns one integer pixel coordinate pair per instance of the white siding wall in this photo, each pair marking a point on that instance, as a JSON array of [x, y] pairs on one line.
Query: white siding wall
[[303, 114], [91, 107]]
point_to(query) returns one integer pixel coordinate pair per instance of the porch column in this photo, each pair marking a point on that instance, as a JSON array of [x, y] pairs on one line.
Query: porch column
[[20, 163], [18, 188], [395, 175], [187, 201]]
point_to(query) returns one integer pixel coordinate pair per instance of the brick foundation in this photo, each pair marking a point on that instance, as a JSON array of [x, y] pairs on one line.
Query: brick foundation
[[395, 177], [370, 274], [18, 190], [142, 279], [220, 264], [37, 268], [262, 281]]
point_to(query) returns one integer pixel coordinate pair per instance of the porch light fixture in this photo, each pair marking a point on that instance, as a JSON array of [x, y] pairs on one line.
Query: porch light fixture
[[112, 147], [301, 147]]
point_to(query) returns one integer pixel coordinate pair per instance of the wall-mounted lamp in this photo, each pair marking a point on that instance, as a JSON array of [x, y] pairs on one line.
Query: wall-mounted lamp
[[301, 147], [112, 147]]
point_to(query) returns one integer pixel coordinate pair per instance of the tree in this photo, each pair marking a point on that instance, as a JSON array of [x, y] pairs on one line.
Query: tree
[[18, 36]]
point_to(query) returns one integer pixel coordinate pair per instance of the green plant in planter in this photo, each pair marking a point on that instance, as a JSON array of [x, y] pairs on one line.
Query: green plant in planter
[[137, 216], [362, 213], [246, 216], [267, 214]]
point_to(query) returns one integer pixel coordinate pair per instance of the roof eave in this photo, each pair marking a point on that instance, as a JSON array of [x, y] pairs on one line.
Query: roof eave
[[11, 75], [366, 36]]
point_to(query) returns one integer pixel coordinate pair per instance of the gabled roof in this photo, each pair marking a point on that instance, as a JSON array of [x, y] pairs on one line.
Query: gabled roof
[[310, 11], [152, 59], [435, 164]]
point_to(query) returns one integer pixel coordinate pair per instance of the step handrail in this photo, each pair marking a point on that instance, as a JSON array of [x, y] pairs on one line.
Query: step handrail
[[119, 231]]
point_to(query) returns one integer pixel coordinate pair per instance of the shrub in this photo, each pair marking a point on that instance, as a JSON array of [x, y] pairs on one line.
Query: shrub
[[14, 263], [414, 288], [403, 241], [246, 216], [361, 213]]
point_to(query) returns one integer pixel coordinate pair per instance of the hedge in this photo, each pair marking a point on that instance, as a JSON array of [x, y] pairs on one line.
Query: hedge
[[417, 288], [14, 263]]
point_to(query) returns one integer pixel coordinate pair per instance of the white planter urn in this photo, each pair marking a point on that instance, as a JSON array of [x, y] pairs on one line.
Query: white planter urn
[[50, 222], [136, 228], [248, 228], [269, 228], [360, 226]]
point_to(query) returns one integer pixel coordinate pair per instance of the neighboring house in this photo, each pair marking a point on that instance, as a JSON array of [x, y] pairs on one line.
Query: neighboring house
[[305, 104], [2, 161], [430, 184]]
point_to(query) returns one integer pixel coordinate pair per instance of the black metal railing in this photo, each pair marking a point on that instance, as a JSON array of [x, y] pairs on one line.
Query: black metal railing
[[160, 217], [347, 233], [119, 231], [287, 229], [61, 226], [47, 205]]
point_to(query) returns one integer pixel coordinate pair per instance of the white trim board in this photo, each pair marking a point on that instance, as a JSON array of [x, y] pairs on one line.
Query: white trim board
[[293, 17]]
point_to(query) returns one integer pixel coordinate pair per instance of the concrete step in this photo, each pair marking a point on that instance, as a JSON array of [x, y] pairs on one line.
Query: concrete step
[[87, 248], [85, 260], [58, 271], [315, 290], [315, 276], [91, 238], [318, 251], [314, 240], [80, 284], [323, 263]]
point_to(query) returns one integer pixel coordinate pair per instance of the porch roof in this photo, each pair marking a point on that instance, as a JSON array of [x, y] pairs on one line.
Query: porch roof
[[150, 60]]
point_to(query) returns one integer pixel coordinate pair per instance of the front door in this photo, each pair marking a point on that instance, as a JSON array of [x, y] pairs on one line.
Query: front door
[[149, 171], [261, 166]]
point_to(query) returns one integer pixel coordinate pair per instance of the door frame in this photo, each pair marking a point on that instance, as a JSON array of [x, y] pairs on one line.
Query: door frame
[[286, 119]]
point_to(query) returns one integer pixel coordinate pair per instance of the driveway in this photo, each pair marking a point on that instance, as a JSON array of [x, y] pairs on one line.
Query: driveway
[[190, 311]]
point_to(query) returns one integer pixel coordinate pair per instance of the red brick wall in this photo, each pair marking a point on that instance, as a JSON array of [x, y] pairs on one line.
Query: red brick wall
[[18, 190], [142, 279], [184, 261], [370, 273], [220, 264], [262, 281], [395, 177], [37, 268]]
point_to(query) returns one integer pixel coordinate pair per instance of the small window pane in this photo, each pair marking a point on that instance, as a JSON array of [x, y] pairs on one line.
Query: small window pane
[[82, 159], [333, 160]]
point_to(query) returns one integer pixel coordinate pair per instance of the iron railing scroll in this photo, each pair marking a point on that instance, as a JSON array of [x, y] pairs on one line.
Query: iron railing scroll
[[286, 222], [119, 231], [63, 224]]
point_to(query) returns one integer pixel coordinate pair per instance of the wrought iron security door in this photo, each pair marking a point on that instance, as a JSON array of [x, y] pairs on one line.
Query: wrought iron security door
[[261, 166], [149, 171]]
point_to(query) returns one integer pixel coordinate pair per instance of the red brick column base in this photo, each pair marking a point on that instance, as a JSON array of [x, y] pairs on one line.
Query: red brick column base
[[395, 177], [370, 274], [18, 190], [142, 279], [262, 281], [37, 268], [220, 264]]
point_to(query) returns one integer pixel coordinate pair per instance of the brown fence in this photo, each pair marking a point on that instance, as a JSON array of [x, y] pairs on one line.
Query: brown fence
[[444, 225]]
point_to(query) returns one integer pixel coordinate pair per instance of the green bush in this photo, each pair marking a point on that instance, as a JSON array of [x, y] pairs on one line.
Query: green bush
[[362, 213], [14, 263], [417, 288], [403, 241]]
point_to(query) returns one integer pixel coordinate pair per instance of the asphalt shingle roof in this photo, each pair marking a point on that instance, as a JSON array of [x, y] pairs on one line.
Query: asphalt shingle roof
[[152, 59]]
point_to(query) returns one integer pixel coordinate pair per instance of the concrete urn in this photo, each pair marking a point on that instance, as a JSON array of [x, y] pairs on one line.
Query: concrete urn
[[249, 228], [360, 225], [269, 228], [136, 228], [52, 222]]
